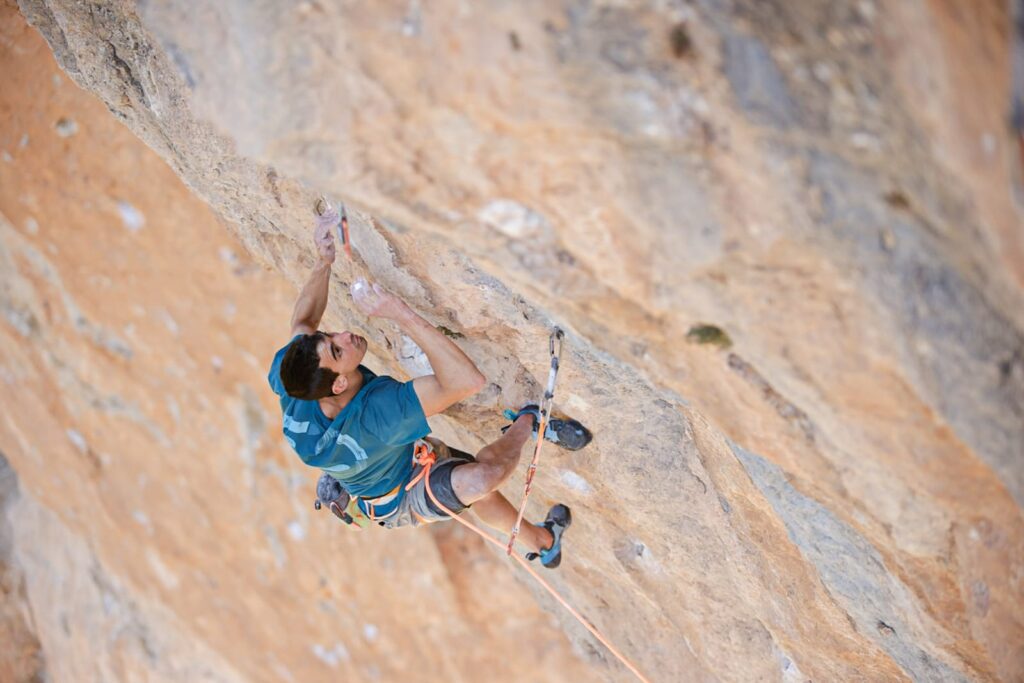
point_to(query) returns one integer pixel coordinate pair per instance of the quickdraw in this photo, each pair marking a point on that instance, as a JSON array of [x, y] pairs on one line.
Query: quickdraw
[[322, 206], [343, 231], [545, 413]]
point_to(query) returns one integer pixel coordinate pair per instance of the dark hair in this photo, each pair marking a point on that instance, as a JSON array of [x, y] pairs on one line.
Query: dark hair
[[301, 373]]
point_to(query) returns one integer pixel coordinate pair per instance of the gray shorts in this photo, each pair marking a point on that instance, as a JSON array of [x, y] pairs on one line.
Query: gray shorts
[[416, 507]]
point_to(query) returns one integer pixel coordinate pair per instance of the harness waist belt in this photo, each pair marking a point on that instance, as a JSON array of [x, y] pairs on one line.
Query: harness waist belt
[[371, 503]]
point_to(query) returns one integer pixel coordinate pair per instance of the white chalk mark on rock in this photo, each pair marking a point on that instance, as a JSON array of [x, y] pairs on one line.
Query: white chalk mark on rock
[[169, 322], [227, 255], [167, 578], [412, 359], [78, 440], [66, 127], [576, 482], [331, 657], [296, 530], [130, 216], [511, 218], [143, 520]]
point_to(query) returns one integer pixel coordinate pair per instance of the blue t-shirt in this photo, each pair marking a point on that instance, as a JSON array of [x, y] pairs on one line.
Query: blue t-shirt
[[368, 446]]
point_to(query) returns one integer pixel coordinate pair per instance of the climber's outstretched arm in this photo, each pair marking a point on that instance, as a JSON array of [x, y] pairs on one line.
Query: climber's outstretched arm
[[455, 376], [309, 309]]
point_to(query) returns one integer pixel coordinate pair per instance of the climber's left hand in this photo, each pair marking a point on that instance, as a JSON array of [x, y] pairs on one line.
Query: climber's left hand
[[323, 235]]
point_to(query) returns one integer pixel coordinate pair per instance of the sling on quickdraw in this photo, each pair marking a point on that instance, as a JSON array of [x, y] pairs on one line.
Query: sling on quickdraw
[[424, 456], [343, 232], [545, 413]]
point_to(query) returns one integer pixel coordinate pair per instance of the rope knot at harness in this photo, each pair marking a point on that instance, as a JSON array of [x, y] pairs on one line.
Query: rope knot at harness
[[424, 456]]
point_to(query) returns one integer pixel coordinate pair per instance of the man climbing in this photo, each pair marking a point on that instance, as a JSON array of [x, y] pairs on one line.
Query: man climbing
[[360, 428]]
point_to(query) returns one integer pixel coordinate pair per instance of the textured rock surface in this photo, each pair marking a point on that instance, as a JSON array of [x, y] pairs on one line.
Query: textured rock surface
[[163, 531], [835, 497], [21, 656]]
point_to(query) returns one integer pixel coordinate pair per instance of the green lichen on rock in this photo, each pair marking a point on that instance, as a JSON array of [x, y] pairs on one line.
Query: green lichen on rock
[[450, 333], [709, 334]]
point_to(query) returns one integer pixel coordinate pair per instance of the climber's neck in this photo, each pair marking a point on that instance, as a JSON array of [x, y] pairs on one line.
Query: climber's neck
[[333, 405]]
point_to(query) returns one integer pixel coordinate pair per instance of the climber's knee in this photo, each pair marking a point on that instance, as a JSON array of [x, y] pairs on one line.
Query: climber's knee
[[473, 481]]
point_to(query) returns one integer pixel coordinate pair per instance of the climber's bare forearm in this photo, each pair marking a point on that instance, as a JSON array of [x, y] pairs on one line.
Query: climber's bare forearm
[[454, 371], [455, 377], [309, 309]]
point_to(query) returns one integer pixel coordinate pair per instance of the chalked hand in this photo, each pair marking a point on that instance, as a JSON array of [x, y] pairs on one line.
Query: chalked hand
[[323, 234], [374, 300]]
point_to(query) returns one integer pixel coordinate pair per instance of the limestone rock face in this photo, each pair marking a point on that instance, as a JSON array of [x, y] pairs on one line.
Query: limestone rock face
[[784, 240], [22, 657]]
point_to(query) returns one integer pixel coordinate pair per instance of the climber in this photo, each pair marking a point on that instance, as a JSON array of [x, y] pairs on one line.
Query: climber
[[360, 428]]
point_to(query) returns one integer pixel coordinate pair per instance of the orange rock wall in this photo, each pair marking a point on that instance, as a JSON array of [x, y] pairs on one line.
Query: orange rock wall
[[830, 490], [163, 529]]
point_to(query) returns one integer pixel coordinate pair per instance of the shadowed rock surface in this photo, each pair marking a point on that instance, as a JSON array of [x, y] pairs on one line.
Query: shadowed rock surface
[[833, 494], [22, 658]]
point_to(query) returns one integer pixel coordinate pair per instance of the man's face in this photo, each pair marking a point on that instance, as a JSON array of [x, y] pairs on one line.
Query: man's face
[[341, 351]]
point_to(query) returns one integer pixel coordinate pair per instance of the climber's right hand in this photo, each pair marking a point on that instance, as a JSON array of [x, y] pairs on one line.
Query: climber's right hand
[[374, 300], [323, 235]]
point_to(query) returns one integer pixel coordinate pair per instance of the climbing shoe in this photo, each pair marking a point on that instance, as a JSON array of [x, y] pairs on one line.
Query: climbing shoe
[[568, 433], [558, 520]]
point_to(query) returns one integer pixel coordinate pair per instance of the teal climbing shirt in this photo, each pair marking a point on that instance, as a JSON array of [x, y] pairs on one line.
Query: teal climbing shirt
[[368, 446]]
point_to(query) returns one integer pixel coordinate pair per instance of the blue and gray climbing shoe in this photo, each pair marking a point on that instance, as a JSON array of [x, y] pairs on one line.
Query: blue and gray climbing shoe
[[558, 520], [568, 434]]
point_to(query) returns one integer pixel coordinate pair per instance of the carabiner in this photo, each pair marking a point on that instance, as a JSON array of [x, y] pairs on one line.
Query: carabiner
[[556, 335]]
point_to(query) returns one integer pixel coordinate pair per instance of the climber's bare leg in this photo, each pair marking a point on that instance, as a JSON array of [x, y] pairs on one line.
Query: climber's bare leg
[[477, 482], [497, 512], [494, 463]]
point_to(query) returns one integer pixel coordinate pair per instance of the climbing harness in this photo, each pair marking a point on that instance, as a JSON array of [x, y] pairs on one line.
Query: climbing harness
[[373, 503], [322, 207], [545, 412], [424, 455]]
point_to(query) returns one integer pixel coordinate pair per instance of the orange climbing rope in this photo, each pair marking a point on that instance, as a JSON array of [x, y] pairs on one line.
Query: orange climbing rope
[[424, 455]]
